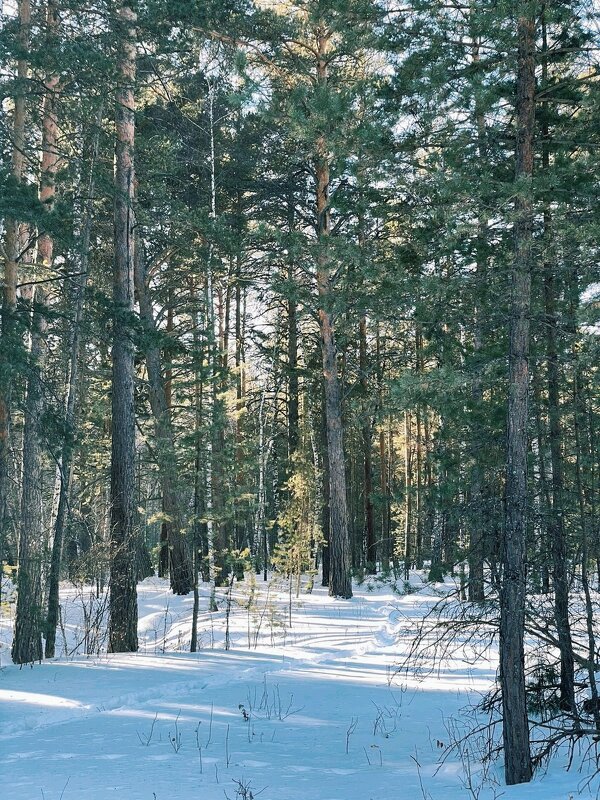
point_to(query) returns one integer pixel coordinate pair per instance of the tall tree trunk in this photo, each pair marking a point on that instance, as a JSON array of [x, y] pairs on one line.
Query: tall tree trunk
[[385, 540], [292, 324], [366, 433], [261, 544], [215, 571], [386, 544], [10, 333], [389, 480], [517, 755], [211, 380], [123, 613], [27, 641], [199, 542], [418, 556], [29, 615], [340, 582], [241, 540], [339, 546]]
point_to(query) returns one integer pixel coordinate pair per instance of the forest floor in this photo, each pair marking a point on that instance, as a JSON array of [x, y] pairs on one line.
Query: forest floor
[[316, 710]]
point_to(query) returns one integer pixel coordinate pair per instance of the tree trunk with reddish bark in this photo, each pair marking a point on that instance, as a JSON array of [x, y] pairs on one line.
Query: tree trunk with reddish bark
[[340, 583], [10, 334]]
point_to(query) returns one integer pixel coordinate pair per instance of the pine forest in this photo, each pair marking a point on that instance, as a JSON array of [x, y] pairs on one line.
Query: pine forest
[[299, 399]]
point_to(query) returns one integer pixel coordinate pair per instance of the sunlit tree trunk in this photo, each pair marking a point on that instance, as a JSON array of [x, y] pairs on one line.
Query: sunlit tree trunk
[[340, 584]]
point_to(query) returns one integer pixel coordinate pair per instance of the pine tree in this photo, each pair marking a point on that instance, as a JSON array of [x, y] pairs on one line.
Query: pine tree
[[123, 597]]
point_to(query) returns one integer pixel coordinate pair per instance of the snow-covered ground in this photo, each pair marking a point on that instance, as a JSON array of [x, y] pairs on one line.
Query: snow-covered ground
[[312, 710]]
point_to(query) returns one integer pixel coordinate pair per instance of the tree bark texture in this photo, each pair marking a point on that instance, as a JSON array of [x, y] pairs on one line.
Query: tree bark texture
[[27, 640], [122, 628], [340, 583], [517, 755]]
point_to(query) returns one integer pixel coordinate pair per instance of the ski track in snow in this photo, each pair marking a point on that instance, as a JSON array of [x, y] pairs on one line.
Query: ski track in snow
[[314, 711]]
